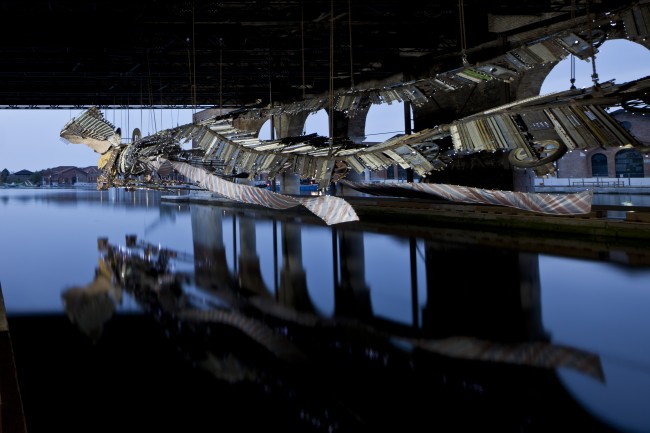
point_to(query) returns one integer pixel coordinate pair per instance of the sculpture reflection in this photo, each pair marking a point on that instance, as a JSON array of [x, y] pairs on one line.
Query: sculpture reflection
[[339, 370], [91, 306]]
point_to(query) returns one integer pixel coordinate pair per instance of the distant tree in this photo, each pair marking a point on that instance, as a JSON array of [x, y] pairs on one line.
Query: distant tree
[[4, 174], [36, 178]]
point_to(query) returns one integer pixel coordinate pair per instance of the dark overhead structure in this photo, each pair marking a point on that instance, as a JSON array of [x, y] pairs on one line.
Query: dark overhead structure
[[60, 54]]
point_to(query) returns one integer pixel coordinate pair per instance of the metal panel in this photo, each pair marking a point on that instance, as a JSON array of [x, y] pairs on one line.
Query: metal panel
[[615, 132], [397, 158], [353, 161], [637, 21], [561, 131], [577, 46], [575, 127], [415, 159], [542, 51]]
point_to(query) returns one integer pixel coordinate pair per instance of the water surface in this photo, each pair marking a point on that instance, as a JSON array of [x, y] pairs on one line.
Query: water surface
[[131, 314]]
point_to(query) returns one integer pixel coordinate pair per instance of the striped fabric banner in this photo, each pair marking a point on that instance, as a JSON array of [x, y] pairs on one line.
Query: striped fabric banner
[[257, 330], [332, 210], [556, 204], [535, 354]]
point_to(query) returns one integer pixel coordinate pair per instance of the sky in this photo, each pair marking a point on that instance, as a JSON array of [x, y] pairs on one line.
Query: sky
[[29, 139]]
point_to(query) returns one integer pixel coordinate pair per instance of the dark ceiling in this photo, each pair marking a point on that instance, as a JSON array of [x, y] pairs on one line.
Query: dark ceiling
[[59, 54]]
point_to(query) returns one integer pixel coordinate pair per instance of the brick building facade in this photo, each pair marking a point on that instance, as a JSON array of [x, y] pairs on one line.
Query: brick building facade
[[611, 162]]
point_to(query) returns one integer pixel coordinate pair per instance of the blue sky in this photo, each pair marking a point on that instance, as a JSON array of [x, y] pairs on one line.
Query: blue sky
[[29, 139]]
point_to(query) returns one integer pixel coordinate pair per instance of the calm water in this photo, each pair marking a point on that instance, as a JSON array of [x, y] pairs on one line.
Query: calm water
[[128, 314]]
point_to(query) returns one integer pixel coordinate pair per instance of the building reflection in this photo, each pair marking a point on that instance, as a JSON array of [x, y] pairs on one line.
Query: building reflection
[[292, 291], [210, 263]]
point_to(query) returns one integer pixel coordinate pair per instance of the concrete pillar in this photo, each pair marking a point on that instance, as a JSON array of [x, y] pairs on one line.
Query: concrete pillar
[[289, 183], [352, 295], [210, 265], [250, 273], [531, 298], [523, 179], [293, 278], [345, 191], [512, 311]]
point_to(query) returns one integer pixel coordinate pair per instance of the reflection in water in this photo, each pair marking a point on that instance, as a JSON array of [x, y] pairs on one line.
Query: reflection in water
[[478, 358], [196, 317], [90, 307]]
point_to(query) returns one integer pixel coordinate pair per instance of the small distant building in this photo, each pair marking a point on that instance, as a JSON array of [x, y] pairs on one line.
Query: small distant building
[[22, 175], [93, 173], [69, 175]]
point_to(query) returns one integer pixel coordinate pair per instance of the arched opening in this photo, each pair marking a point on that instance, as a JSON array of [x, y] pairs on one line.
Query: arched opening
[[265, 131], [617, 59], [629, 163], [385, 121], [317, 123], [599, 165]]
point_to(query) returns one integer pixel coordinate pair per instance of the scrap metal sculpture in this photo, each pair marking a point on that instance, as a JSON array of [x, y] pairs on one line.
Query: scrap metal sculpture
[[534, 132], [150, 159]]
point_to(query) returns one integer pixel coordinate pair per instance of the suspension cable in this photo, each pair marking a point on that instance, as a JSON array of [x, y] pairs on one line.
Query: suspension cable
[[350, 33], [193, 63], [463, 40], [594, 74], [220, 76], [331, 78], [572, 57], [302, 47]]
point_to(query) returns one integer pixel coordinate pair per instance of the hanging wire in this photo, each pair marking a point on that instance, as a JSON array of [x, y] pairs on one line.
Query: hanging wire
[[271, 105], [594, 74], [302, 48], [331, 79], [128, 114], [572, 57], [463, 40], [141, 102], [161, 102], [350, 34], [193, 63], [189, 71], [150, 91], [220, 76]]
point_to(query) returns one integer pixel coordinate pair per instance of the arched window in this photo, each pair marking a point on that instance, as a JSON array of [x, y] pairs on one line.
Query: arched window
[[629, 163], [599, 165]]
